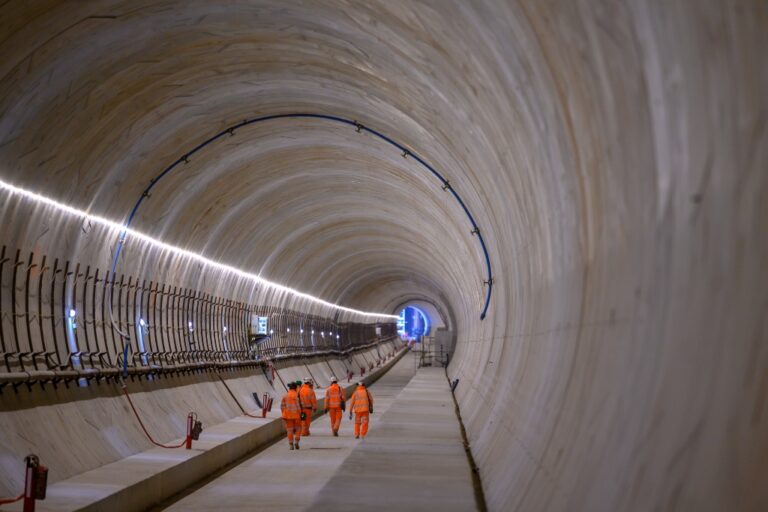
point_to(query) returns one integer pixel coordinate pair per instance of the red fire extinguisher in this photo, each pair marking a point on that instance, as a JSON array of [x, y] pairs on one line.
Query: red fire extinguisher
[[194, 429], [35, 483]]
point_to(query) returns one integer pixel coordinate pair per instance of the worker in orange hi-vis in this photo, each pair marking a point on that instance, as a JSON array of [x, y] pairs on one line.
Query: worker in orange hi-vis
[[291, 412], [361, 403], [334, 404], [308, 401]]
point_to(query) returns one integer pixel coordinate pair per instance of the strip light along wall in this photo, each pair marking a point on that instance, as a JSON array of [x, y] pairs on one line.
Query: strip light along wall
[[38, 198]]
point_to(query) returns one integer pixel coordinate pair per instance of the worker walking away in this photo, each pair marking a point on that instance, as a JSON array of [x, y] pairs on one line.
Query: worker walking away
[[308, 405], [334, 404], [291, 412], [361, 404]]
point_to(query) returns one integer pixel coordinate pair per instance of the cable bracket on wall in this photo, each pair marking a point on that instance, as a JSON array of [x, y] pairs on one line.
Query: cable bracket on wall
[[324, 117]]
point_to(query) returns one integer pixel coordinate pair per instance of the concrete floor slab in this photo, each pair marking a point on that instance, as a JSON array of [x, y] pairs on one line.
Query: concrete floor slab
[[284, 480], [413, 459]]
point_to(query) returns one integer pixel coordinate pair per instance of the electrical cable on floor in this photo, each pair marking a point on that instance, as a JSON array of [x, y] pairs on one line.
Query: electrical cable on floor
[[146, 432], [235, 399], [8, 501]]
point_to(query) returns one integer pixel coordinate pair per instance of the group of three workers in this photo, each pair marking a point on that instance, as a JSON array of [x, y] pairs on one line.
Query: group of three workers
[[300, 402]]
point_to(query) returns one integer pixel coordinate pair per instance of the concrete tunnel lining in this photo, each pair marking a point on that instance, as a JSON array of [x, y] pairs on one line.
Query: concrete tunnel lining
[[614, 155]]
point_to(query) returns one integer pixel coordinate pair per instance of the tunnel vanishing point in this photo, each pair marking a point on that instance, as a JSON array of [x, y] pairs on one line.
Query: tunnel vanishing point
[[204, 200]]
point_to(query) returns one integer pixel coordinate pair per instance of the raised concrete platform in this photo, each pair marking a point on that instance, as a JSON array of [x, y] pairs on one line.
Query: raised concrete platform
[[413, 459], [144, 479]]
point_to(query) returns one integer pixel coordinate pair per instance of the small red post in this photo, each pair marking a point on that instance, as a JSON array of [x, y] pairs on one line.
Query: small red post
[[29, 486], [35, 482], [190, 423]]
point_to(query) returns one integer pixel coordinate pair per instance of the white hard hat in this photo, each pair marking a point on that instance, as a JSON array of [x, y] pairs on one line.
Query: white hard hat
[[334, 379], [307, 381]]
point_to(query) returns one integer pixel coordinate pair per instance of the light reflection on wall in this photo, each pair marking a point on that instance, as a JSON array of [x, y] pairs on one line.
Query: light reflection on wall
[[413, 323]]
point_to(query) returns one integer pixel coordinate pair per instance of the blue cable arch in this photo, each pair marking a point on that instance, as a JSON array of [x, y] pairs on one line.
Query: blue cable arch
[[359, 127]]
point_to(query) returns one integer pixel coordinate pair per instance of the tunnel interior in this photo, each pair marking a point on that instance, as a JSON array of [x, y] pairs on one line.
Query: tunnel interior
[[578, 189]]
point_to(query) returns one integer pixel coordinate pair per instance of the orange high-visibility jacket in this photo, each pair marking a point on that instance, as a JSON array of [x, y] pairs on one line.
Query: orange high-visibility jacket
[[308, 397], [334, 396], [359, 401], [290, 405]]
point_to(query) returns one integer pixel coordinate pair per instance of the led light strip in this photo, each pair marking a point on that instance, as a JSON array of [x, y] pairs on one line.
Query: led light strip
[[178, 250]]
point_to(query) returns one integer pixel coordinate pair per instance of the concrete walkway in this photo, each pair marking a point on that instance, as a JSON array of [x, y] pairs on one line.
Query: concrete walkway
[[413, 459]]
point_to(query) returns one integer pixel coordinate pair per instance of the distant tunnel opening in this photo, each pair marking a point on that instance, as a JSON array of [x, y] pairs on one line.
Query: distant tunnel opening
[[413, 323]]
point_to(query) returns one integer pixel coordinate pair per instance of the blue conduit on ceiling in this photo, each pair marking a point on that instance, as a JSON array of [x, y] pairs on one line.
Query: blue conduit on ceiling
[[446, 185]]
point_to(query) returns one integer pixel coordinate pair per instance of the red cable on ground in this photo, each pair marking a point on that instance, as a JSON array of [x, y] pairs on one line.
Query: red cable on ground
[[130, 402], [235, 399], [6, 501]]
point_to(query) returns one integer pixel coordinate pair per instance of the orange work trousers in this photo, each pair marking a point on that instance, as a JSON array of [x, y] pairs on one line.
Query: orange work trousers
[[306, 422], [335, 414], [293, 427], [361, 423]]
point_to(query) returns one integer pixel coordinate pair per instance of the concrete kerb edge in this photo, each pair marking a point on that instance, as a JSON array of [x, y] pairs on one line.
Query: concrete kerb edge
[[477, 483]]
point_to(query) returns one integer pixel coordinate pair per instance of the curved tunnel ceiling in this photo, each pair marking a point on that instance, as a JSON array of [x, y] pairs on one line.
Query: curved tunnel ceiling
[[613, 155], [247, 200], [322, 174]]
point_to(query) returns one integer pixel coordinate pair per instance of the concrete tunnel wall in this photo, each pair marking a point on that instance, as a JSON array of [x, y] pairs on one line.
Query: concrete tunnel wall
[[612, 153]]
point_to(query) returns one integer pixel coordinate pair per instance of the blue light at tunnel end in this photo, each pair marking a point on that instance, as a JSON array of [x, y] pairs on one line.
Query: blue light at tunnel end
[[413, 323]]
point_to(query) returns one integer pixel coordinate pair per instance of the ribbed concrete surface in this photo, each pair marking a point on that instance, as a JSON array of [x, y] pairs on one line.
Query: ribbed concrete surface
[[613, 153]]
